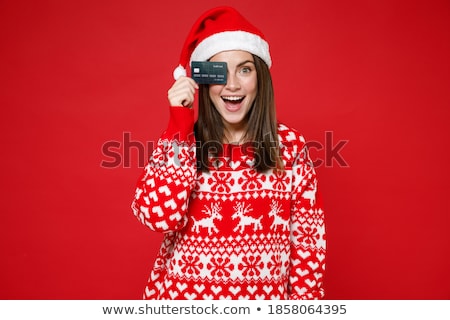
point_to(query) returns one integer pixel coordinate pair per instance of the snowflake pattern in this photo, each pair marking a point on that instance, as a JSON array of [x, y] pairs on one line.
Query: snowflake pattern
[[251, 266], [220, 266], [251, 180], [307, 235], [275, 265], [221, 182], [191, 266], [279, 180]]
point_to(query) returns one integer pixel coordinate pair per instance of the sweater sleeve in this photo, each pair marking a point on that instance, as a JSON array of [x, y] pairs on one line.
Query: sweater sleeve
[[307, 263], [163, 190]]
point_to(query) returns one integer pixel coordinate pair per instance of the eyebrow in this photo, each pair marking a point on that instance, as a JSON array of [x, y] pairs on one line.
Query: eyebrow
[[244, 62]]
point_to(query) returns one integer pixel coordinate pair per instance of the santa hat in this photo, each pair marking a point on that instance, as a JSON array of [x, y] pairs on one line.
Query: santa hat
[[221, 29]]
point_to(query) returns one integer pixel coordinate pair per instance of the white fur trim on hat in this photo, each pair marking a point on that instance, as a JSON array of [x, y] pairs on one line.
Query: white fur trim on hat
[[179, 71], [232, 40]]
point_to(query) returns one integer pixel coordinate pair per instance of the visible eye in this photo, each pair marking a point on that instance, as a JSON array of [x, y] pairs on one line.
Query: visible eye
[[245, 69]]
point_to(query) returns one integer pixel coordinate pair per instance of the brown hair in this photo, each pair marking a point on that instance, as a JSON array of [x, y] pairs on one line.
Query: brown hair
[[261, 127]]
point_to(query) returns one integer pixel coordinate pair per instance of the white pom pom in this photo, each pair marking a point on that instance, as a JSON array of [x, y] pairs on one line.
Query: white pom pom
[[179, 72]]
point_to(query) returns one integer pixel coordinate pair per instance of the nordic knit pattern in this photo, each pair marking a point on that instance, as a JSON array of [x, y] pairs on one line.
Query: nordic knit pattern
[[231, 233]]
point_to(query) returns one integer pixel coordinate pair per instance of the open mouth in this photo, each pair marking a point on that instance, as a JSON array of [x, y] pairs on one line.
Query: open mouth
[[233, 99]]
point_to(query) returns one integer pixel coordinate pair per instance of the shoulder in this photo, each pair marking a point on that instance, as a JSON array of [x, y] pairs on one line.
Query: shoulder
[[289, 136], [293, 146]]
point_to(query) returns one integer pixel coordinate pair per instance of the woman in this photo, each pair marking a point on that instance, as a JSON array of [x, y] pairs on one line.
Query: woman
[[234, 192]]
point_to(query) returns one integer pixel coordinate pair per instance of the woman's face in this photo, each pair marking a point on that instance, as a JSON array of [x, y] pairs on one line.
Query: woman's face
[[234, 99]]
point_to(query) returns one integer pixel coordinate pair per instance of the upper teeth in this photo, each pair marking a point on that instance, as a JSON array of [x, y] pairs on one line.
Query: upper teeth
[[232, 98]]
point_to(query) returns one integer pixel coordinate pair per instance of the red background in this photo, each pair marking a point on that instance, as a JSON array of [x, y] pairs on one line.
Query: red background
[[77, 74]]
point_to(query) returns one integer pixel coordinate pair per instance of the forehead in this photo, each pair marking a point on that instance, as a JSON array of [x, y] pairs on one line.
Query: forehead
[[233, 56]]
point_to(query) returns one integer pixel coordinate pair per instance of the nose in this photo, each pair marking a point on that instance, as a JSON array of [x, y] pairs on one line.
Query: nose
[[233, 83]]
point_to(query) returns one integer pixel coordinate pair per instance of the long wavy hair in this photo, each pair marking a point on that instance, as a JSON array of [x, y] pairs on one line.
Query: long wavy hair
[[261, 132]]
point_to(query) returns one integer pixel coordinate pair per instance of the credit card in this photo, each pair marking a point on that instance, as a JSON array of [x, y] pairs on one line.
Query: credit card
[[206, 72]]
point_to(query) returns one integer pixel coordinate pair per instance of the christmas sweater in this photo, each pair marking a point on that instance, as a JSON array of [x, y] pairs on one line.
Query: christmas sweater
[[231, 233]]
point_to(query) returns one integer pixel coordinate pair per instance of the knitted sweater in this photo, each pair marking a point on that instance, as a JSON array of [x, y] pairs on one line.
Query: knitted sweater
[[231, 233]]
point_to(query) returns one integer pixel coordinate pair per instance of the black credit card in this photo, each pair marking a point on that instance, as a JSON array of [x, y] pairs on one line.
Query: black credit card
[[206, 72]]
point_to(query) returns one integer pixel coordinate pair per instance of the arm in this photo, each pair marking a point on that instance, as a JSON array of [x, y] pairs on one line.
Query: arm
[[163, 190], [307, 232]]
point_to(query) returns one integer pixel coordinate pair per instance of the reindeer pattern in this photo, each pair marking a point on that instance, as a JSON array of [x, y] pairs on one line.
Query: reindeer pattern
[[212, 213], [275, 211], [242, 219], [240, 212]]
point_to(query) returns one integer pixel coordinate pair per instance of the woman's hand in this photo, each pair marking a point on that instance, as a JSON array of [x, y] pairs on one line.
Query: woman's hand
[[182, 92]]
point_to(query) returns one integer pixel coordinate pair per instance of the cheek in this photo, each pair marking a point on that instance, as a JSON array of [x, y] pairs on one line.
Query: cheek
[[252, 86], [214, 92], [252, 91]]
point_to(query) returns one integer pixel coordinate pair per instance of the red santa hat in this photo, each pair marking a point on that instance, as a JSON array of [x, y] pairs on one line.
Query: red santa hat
[[221, 29]]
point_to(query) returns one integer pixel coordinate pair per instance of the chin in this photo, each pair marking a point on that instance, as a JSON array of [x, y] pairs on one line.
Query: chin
[[234, 120]]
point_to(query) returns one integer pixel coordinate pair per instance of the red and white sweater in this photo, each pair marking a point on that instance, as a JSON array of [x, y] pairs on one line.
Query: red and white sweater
[[231, 233]]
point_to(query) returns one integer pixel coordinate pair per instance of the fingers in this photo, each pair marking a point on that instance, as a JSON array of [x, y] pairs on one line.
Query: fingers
[[182, 92]]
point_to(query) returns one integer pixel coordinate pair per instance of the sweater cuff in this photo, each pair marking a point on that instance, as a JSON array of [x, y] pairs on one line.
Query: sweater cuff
[[181, 124]]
